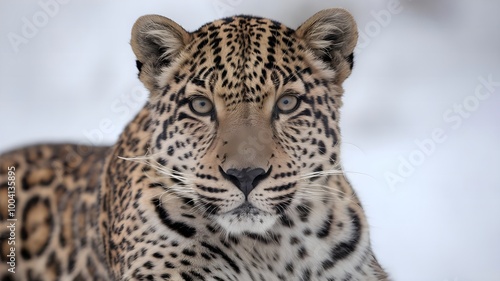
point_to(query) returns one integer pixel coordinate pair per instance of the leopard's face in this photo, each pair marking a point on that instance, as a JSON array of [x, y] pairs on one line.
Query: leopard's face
[[245, 112]]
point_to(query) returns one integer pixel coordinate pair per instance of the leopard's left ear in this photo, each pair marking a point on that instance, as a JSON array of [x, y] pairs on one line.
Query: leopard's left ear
[[332, 35]]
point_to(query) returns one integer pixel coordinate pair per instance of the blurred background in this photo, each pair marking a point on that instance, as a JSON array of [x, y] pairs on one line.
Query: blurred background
[[421, 115]]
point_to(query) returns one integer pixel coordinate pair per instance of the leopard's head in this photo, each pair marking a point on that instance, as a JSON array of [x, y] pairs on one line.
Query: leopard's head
[[245, 111]]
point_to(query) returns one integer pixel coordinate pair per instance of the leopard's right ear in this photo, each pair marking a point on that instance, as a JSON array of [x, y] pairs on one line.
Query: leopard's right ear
[[156, 41]]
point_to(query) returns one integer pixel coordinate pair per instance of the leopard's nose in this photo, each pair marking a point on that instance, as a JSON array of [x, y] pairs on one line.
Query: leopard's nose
[[245, 179]]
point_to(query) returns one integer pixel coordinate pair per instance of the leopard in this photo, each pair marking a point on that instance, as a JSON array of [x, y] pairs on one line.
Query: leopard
[[230, 171]]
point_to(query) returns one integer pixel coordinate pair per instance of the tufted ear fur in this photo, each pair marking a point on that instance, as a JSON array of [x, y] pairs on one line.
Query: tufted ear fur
[[156, 41], [332, 34]]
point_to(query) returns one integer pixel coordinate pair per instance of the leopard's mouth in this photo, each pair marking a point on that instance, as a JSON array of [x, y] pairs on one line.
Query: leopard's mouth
[[246, 209], [246, 218]]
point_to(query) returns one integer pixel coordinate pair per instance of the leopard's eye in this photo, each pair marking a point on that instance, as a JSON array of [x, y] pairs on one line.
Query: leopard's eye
[[201, 105], [287, 103]]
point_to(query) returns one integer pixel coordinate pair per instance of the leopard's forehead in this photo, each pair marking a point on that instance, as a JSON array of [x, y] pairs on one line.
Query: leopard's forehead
[[245, 35], [245, 59]]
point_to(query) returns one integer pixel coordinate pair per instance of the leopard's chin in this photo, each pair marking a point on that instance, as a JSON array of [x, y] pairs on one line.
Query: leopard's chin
[[246, 218]]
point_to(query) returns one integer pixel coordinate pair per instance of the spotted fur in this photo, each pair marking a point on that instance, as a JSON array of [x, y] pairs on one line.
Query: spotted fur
[[215, 178]]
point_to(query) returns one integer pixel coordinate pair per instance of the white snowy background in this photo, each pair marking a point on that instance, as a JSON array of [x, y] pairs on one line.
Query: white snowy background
[[67, 73]]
